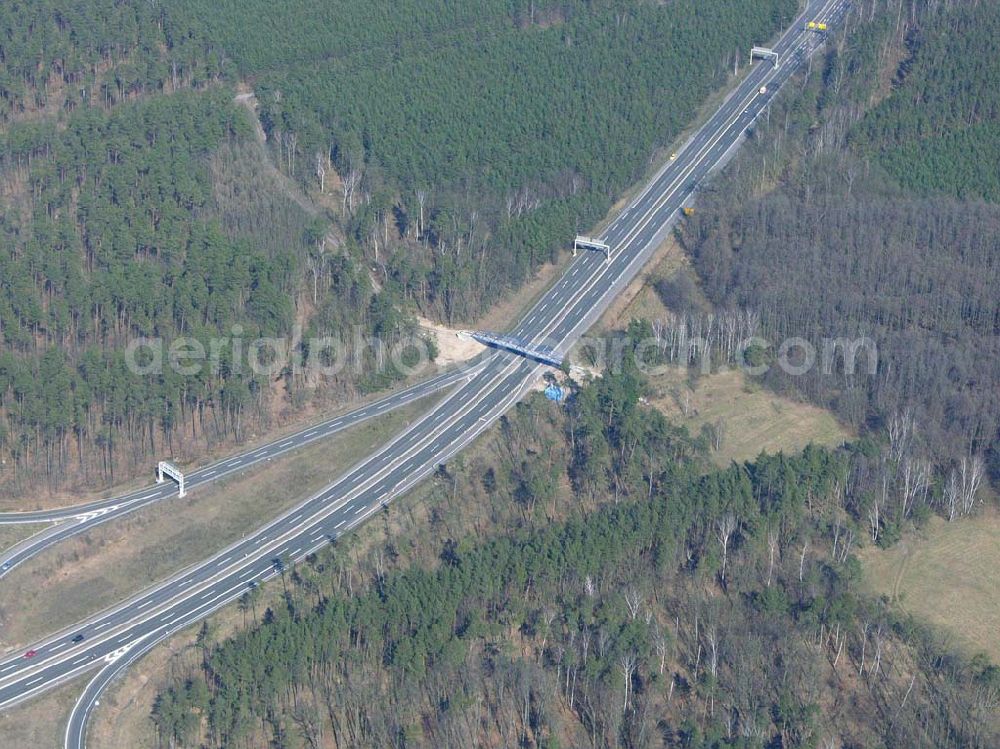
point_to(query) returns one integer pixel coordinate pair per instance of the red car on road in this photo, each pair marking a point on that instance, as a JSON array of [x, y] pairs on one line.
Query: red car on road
[[31, 654]]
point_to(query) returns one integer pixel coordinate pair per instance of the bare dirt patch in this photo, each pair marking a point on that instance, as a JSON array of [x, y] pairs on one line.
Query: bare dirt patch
[[454, 346], [248, 99]]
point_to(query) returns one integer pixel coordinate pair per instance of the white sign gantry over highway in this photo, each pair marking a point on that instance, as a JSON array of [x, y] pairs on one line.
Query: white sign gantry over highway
[[589, 243], [169, 469], [765, 53]]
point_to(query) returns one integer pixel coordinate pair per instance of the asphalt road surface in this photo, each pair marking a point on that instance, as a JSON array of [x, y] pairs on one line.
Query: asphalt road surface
[[114, 638], [70, 521]]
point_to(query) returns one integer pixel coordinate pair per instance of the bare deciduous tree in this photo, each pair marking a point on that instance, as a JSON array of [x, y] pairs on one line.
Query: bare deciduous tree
[[713, 650], [951, 495], [719, 433], [772, 549], [321, 171], [802, 559], [725, 527], [633, 600], [627, 664], [971, 473], [316, 262], [843, 538], [864, 646], [351, 182], [662, 644], [874, 519], [900, 429], [915, 475]]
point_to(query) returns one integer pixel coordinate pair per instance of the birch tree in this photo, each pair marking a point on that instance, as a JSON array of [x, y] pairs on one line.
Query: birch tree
[[321, 171], [971, 474], [725, 527], [627, 664], [772, 551]]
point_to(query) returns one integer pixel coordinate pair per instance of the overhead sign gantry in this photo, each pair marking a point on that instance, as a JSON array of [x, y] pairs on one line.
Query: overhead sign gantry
[[589, 243], [764, 53], [163, 468]]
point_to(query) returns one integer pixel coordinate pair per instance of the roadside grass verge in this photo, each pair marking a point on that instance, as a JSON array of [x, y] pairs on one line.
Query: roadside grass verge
[[13, 534]]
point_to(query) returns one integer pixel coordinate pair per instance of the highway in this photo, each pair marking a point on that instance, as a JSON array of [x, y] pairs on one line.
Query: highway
[[114, 638], [71, 521]]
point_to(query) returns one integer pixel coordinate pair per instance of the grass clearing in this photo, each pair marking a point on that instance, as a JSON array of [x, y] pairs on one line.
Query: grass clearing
[[945, 575], [753, 419], [76, 579]]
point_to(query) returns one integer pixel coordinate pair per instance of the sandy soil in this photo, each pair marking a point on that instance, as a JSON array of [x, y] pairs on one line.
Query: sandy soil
[[454, 346]]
